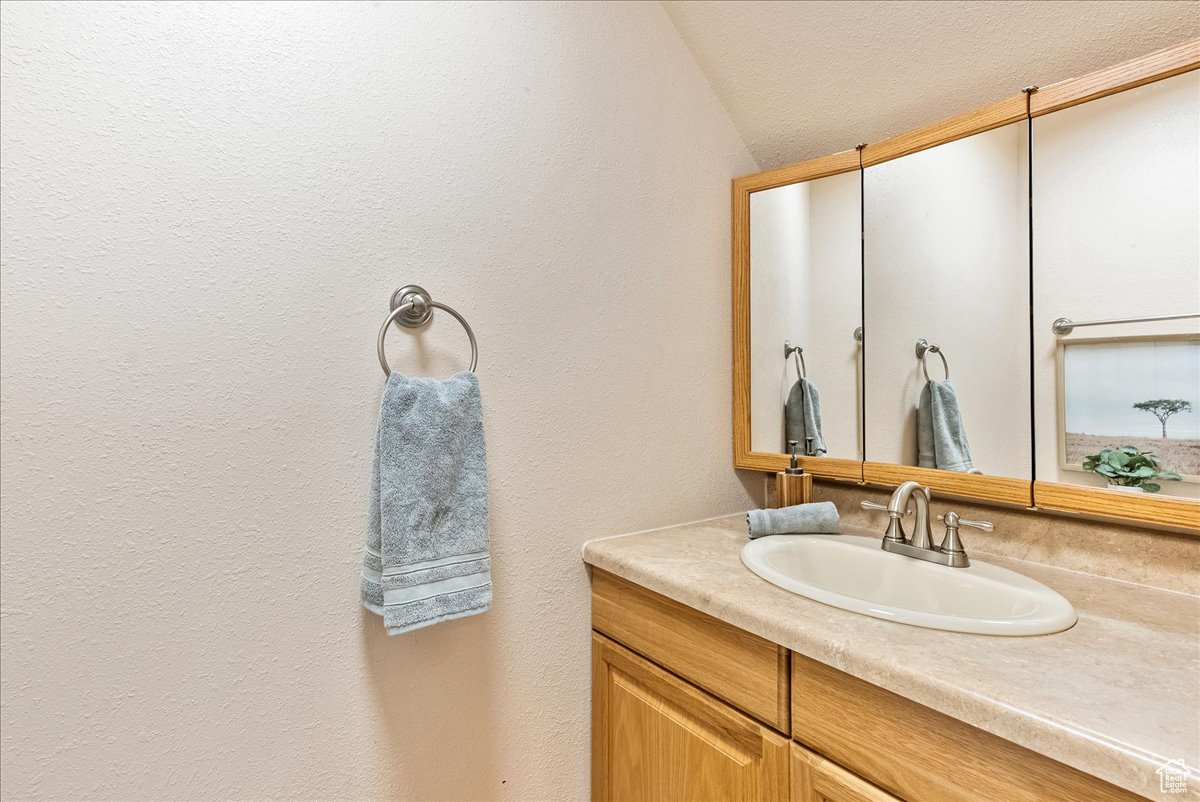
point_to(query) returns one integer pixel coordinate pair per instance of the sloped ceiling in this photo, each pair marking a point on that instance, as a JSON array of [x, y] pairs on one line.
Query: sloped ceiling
[[804, 79]]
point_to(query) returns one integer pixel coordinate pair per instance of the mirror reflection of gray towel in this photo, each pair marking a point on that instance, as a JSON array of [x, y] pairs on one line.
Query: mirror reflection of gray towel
[[802, 418], [941, 437]]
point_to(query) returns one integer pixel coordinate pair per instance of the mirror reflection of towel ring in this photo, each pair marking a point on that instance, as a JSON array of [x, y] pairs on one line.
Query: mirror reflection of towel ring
[[923, 351], [797, 353]]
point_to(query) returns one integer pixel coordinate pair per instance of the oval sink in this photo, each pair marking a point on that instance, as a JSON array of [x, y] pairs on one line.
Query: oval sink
[[855, 574]]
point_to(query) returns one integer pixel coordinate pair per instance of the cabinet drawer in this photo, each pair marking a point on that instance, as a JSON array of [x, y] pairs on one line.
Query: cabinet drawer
[[743, 669], [920, 754]]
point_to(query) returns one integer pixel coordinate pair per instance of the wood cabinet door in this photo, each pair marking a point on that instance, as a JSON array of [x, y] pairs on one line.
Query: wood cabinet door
[[655, 738], [815, 779]]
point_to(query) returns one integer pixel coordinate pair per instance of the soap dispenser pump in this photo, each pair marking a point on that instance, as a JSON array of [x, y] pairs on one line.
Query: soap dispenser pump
[[793, 485]]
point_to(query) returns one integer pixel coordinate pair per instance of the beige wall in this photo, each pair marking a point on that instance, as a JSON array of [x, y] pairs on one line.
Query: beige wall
[[205, 208], [1117, 234]]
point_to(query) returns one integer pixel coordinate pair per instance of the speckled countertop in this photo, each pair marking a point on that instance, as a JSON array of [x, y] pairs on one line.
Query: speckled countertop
[[1115, 696]]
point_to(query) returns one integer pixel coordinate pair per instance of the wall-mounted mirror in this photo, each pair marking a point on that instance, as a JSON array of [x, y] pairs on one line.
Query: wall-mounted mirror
[[1117, 236], [805, 303], [966, 379], [946, 297]]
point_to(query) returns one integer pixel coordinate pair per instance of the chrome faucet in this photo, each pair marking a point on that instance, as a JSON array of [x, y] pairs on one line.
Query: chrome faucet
[[920, 546]]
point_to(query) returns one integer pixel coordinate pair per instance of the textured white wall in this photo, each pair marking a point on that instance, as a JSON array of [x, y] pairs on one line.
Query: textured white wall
[[805, 286], [946, 254], [205, 208], [1116, 217]]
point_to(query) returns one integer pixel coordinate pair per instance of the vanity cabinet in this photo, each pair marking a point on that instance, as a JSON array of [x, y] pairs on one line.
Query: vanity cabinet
[[688, 707], [658, 738]]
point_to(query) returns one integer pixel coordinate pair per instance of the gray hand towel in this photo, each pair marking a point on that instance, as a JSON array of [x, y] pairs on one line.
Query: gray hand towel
[[802, 519], [802, 417], [941, 437], [426, 558]]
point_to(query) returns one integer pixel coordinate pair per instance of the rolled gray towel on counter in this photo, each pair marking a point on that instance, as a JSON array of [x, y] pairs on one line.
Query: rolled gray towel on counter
[[803, 519]]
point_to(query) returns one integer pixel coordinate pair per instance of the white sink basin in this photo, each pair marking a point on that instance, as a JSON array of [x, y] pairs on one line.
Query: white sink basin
[[855, 574]]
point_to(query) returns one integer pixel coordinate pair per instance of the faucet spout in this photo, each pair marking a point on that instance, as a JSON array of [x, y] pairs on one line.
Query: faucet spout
[[922, 537]]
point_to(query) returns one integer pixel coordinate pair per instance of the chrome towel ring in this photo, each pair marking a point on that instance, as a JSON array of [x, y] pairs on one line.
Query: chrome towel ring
[[923, 350], [797, 353], [412, 308]]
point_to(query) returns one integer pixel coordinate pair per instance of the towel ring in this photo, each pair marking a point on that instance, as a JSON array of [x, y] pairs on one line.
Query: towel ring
[[797, 353], [412, 307], [923, 350]]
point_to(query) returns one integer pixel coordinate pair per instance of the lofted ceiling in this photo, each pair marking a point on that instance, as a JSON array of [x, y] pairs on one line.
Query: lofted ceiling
[[804, 79]]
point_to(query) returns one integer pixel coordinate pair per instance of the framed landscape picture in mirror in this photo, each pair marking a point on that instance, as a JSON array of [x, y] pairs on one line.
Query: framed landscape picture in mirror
[[1129, 412]]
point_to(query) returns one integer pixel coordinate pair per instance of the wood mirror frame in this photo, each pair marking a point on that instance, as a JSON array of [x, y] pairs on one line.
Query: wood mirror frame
[[1174, 513]]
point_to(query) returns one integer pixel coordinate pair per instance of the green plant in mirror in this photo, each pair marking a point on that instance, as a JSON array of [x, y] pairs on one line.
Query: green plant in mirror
[[1128, 467]]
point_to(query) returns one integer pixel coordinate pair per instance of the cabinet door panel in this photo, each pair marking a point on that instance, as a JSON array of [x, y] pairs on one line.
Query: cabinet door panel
[[656, 738], [815, 779]]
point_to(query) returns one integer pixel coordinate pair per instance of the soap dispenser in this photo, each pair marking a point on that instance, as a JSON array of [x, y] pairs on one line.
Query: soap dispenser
[[793, 485]]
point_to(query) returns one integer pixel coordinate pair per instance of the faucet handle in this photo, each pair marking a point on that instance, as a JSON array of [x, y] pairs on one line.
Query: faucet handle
[[952, 544], [985, 526], [871, 505]]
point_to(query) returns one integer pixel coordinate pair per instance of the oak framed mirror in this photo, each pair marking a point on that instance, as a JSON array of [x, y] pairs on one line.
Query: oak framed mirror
[[1078, 200]]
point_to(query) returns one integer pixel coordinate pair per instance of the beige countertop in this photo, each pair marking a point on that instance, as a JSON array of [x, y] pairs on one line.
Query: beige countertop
[[1116, 696]]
